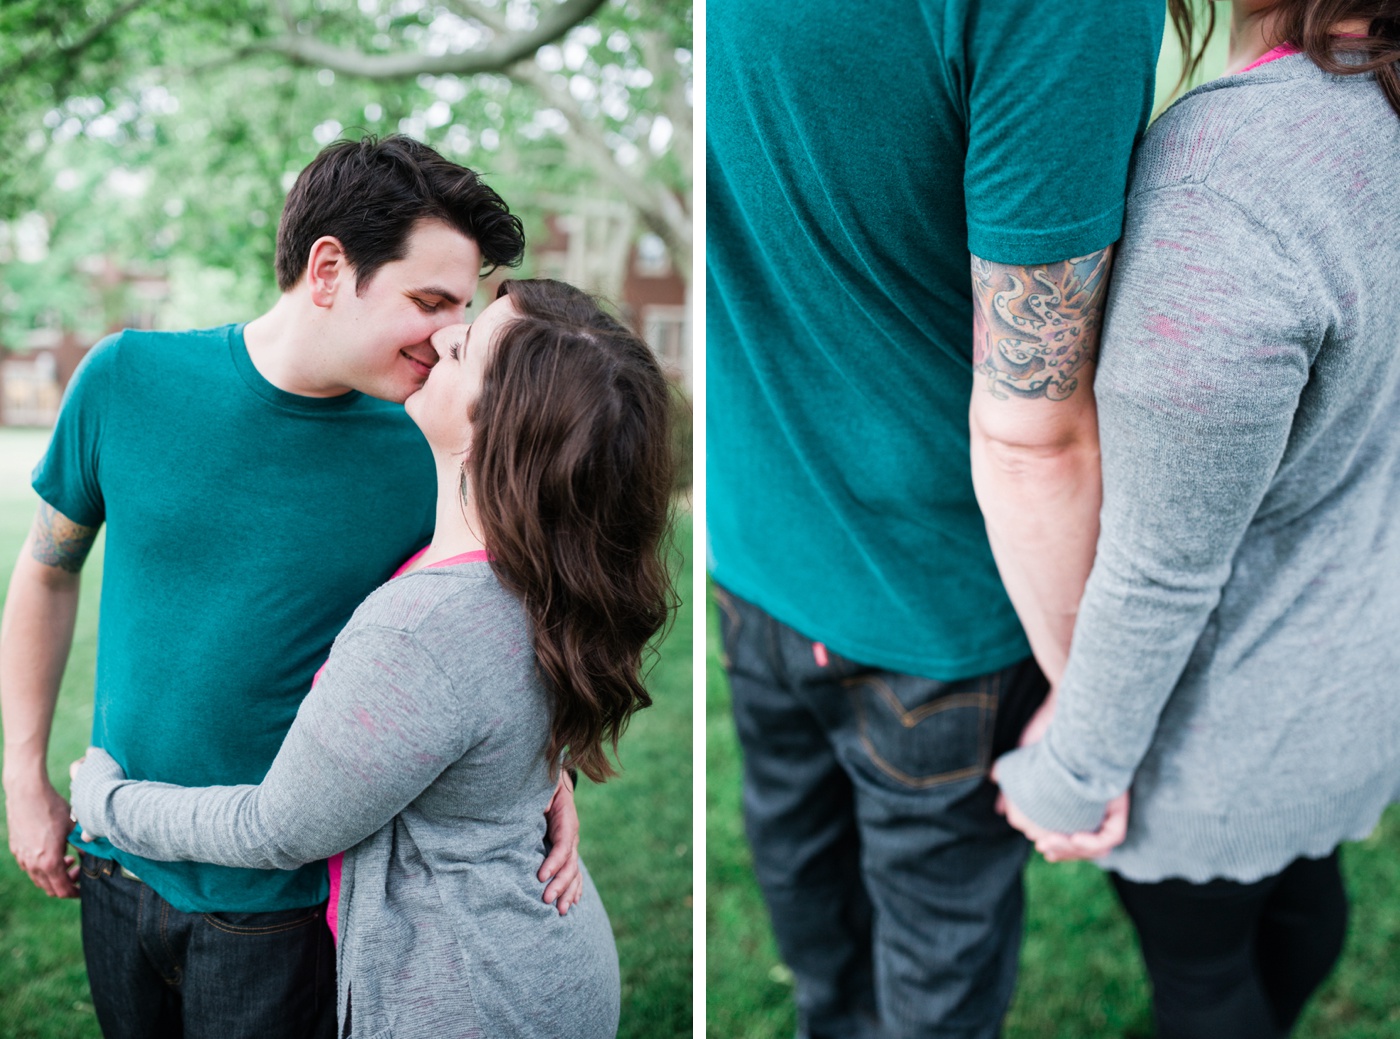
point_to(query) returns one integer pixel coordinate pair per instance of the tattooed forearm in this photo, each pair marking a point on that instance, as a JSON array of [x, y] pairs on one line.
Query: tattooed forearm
[[60, 542], [1034, 328]]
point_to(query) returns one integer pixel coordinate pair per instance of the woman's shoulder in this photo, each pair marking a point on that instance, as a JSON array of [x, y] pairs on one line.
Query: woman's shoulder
[[461, 617], [1224, 133], [424, 597]]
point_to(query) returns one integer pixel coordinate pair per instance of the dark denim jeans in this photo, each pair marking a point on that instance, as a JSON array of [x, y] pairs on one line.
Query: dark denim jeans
[[158, 973], [893, 885]]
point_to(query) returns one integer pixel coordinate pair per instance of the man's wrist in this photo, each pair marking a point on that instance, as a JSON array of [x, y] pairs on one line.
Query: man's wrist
[[24, 773]]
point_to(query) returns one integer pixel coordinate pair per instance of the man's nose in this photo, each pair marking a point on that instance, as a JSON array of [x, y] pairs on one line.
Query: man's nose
[[447, 316]]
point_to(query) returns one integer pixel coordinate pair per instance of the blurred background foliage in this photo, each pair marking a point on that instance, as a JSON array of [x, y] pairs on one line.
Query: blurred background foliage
[[162, 135]]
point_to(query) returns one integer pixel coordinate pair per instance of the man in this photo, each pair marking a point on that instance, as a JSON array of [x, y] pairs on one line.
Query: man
[[256, 482], [859, 162]]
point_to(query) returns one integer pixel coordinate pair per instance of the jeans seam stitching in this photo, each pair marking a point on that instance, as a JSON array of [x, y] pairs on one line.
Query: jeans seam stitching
[[165, 945], [909, 719], [253, 932]]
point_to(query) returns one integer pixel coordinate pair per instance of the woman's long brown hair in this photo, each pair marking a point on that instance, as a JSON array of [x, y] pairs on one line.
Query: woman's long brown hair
[[570, 471], [1307, 25]]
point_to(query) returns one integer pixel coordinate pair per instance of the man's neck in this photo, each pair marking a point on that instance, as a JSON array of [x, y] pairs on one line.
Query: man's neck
[[286, 349], [1254, 32]]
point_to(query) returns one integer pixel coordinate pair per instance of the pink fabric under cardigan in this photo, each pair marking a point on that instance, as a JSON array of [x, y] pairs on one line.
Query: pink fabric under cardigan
[[1283, 50]]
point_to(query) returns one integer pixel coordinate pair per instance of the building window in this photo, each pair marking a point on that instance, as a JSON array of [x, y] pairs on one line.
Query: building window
[[653, 259], [31, 390], [667, 332]]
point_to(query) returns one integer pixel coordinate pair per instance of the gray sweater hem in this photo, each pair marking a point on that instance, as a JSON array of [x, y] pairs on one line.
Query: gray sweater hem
[[1245, 846]]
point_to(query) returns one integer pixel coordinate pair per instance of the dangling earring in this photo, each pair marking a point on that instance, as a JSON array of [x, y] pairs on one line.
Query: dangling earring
[[462, 487]]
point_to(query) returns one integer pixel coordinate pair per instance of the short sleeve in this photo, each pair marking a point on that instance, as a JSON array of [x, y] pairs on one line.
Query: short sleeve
[[1056, 100], [67, 476]]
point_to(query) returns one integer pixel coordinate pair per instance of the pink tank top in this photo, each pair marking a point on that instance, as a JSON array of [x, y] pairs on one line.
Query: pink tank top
[[1283, 50]]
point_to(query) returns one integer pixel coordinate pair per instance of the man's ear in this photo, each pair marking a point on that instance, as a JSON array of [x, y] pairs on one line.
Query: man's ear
[[328, 271]]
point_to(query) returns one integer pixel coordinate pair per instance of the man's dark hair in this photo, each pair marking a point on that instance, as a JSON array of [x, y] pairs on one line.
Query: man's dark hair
[[371, 193]]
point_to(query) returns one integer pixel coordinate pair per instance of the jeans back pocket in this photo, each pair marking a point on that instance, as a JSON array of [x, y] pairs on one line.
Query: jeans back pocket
[[921, 732]]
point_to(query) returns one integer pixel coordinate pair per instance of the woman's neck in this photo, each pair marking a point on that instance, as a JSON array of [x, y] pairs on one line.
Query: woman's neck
[[456, 526], [1254, 32]]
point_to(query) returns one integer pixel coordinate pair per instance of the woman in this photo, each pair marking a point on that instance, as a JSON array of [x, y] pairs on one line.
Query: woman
[[1233, 659], [429, 746]]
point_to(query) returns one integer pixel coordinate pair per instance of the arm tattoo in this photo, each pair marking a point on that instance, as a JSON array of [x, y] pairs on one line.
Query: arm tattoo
[[1034, 328], [60, 542]]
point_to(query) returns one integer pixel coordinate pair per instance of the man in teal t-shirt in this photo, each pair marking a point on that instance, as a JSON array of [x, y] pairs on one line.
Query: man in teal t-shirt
[[256, 482], [911, 208]]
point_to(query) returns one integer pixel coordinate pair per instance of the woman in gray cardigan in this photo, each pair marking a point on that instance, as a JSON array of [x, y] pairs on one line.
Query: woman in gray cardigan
[[1234, 652], [428, 747]]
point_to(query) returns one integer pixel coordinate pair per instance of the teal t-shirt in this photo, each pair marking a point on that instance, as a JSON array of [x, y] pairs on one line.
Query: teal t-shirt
[[854, 158], [244, 524]]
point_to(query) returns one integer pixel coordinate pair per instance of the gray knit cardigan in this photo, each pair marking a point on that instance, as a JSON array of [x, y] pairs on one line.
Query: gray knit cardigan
[[1235, 658]]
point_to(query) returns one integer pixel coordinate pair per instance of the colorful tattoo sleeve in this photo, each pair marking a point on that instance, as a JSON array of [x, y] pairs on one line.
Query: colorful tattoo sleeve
[[1036, 327], [60, 542]]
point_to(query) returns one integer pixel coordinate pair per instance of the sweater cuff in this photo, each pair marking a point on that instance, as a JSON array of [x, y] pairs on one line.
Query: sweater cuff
[[1039, 784], [97, 780]]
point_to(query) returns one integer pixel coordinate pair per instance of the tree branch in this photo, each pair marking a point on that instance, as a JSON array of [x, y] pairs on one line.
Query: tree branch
[[307, 50], [660, 210], [68, 50], [658, 207], [489, 17], [660, 57], [289, 19]]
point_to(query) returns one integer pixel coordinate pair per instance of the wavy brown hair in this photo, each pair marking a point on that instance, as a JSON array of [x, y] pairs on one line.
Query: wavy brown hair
[[1308, 25], [570, 470]]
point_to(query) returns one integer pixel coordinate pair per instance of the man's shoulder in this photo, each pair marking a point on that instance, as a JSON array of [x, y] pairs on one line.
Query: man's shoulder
[[164, 340], [154, 351], [160, 337]]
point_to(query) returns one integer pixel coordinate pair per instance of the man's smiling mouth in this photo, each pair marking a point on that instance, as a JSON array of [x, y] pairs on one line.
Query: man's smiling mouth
[[419, 365]]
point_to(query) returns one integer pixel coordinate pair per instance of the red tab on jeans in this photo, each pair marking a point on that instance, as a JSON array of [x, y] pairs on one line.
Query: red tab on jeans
[[819, 654]]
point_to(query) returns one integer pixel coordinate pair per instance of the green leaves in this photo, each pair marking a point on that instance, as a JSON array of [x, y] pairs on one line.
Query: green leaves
[[156, 131]]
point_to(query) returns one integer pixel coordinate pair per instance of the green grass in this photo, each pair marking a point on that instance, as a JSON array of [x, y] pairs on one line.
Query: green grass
[[636, 828], [1081, 977], [637, 833]]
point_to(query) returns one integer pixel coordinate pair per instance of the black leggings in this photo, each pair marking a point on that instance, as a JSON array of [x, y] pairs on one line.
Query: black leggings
[[1238, 960]]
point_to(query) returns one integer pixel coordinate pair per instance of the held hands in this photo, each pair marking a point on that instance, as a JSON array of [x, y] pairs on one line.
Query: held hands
[[561, 865], [1064, 847]]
